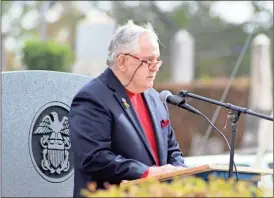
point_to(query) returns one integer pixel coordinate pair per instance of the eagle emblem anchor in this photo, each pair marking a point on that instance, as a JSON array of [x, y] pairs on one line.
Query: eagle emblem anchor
[[55, 142]]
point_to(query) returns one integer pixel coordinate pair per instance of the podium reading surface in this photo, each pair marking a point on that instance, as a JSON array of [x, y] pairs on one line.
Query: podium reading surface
[[244, 173]]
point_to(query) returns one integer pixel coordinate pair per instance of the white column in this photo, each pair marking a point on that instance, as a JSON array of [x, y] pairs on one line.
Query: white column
[[261, 95], [92, 40], [182, 67]]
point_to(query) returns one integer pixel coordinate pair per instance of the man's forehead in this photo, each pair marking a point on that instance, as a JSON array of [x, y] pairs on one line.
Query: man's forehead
[[148, 37], [150, 53], [149, 45]]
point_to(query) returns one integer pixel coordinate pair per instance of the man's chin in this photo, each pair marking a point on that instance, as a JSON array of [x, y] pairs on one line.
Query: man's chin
[[150, 84], [147, 85]]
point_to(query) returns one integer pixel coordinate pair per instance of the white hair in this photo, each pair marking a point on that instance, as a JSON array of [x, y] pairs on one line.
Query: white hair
[[125, 39]]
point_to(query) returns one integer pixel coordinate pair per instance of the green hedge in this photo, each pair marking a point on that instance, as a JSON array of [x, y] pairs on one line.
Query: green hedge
[[47, 55]]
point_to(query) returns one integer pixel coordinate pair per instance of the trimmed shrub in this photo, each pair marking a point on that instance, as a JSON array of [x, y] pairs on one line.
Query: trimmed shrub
[[47, 55]]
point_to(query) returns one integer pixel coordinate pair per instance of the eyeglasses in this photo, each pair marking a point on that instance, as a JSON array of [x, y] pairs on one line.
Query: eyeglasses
[[151, 65]]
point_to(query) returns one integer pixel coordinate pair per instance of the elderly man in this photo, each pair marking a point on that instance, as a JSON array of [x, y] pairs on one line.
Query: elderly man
[[119, 128]]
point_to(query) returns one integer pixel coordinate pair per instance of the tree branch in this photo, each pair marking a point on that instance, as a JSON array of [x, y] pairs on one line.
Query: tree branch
[[163, 17]]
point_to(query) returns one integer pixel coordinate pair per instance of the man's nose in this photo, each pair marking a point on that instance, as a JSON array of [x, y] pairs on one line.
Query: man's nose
[[155, 67]]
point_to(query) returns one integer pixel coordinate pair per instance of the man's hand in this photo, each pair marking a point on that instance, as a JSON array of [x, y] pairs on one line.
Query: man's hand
[[168, 168], [124, 181]]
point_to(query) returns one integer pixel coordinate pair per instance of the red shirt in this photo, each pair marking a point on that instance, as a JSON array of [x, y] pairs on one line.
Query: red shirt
[[146, 122]]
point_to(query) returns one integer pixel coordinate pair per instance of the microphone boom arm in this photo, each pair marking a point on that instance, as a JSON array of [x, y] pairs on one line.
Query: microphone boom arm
[[186, 94]]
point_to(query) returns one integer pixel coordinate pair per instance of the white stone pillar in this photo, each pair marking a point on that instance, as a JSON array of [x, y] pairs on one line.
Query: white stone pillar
[[182, 64], [261, 94], [93, 37]]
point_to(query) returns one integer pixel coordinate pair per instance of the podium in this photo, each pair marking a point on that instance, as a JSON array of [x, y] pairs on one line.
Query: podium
[[249, 174]]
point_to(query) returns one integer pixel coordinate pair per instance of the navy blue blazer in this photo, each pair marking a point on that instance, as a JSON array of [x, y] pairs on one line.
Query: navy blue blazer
[[108, 141]]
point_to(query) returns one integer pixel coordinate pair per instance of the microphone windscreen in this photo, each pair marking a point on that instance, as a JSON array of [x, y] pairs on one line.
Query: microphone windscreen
[[164, 94]]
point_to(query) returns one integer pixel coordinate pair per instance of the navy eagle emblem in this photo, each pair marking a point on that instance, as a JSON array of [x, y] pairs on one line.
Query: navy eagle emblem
[[55, 143]]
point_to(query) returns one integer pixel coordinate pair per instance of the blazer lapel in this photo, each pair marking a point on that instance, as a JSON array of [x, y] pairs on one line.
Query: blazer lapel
[[124, 101], [156, 125], [126, 105]]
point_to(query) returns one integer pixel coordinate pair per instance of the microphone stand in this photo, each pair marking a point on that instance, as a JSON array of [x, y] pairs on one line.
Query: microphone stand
[[235, 112], [233, 119]]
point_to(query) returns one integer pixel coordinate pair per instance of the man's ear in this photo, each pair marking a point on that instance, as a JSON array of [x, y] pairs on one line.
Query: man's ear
[[120, 62]]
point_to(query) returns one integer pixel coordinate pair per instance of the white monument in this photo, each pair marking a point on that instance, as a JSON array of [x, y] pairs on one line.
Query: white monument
[[261, 94], [182, 67], [93, 37]]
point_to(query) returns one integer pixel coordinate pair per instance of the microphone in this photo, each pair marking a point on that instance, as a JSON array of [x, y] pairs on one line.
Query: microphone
[[167, 97]]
